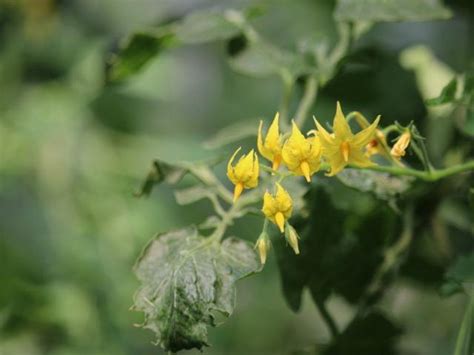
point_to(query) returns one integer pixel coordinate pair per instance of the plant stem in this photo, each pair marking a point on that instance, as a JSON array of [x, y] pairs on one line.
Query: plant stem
[[310, 93], [422, 175], [330, 323], [463, 339], [288, 84]]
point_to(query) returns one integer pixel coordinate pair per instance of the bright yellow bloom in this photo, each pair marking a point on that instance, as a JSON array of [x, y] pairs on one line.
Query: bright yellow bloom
[[278, 208], [263, 245], [244, 175], [343, 147], [302, 155], [271, 147], [398, 149], [376, 145]]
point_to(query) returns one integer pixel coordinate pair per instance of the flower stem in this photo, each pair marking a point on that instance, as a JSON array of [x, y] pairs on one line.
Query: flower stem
[[429, 176], [310, 93], [288, 84]]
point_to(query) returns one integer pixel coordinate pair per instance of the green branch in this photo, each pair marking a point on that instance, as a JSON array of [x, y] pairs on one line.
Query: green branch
[[330, 323], [310, 92]]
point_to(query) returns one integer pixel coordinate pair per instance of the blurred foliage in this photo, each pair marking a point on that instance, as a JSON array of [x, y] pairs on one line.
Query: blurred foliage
[[91, 91]]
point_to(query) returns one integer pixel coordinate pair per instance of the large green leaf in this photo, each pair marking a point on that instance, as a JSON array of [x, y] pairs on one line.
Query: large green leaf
[[390, 10], [185, 279], [339, 253], [372, 334]]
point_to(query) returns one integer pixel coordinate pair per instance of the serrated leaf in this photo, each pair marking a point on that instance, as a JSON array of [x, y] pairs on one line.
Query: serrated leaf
[[135, 52], [382, 185], [463, 269], [447, 94], [390, 10], [372, 334], [161, 172], [184, 279]]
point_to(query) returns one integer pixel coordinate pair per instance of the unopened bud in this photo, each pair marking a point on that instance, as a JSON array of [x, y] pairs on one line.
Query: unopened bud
[[263, 245], [398, 149], [292, 238]]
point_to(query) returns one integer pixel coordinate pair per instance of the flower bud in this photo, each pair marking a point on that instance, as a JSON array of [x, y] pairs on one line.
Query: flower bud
[[292, 238]]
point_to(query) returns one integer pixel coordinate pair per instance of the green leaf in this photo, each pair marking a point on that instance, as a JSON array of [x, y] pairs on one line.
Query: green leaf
[[384, 186], [332, 242], [462, 271], [373, 334], [191, 194], [206, 26], [260, 59], [161, 172], [135, 52], [390, 10], [447, 94], [198, 27], [185, 279]]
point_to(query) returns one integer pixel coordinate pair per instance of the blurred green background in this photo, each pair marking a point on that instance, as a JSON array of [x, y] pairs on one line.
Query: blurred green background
[[73, 151]]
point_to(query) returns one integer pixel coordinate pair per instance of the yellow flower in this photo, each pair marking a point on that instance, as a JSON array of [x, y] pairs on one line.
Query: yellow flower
[[398, 149], [263, 245], [278, 208], [245, 173], [376, 145], [302, 155], [343, 147], [271, 147]]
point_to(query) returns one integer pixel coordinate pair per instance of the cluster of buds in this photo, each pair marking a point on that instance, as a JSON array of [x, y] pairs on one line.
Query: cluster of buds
[[302, 156]]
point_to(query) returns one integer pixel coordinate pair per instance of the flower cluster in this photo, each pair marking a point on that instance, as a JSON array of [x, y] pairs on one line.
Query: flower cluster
[[303, 156]]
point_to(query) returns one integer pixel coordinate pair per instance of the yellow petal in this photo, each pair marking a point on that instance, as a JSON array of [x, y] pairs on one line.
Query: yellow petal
[[359, 159], [272, 140], [230, 169], [276, 162], [337, 163], [280, 221], [261, 148], [362, 138], [340, 126]]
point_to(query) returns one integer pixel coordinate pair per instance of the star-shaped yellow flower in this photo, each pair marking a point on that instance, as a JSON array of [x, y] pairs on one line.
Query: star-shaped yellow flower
[[302, 155], [271, 147], [343, 147], [278, 208], [245, 173]]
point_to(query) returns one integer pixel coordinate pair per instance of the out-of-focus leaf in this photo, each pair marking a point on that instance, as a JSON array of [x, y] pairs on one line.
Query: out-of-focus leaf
[[390, 10], [184, 279], [233, 133], [372, 334], [161, 172], [382, 185], [191, 194], [135, 52], [447, 94], [337, 255], [197, 27], [462, 271], [205, 26], [211, 222], [260, 59]]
